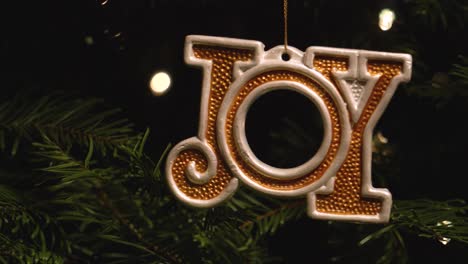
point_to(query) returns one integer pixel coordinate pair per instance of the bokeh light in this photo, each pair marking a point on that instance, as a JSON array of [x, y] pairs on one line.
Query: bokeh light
[[160, 83], [386, 18]]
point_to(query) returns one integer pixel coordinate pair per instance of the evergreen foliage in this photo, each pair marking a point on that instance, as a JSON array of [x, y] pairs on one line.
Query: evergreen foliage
[[72, 203], [78, 186]]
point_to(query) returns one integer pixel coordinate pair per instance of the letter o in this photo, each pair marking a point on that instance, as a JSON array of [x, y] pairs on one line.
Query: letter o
[[237, 153], [241, 140]]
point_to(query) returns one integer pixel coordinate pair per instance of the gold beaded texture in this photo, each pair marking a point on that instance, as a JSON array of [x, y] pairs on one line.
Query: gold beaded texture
[[309, 177], [223, 60], [346, 197]]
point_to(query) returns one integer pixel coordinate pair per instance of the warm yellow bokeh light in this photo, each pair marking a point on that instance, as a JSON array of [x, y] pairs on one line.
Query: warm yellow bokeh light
[[386, 18], [160, 83]]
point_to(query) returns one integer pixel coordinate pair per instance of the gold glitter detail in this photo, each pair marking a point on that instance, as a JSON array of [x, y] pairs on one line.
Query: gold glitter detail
[[326, 65], [309, 177], [346, 196], [223, 60]]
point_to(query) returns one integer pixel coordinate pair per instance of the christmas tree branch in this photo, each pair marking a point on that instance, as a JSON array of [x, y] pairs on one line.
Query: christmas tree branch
[[64, 119], [440, 220], [271, 220], [72, 170], [460, 70], [152, 248]]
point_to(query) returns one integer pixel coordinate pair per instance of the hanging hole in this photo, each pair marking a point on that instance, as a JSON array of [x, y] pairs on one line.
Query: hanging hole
[[285, 56]]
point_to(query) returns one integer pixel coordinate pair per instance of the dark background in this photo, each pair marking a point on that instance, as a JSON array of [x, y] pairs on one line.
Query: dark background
[[45, 46]]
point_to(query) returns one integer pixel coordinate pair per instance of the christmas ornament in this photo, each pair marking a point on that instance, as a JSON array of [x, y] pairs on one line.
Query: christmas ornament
[[351, 89]]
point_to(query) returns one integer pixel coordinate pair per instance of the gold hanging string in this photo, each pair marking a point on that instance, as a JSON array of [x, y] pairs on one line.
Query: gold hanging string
[[285, 15]]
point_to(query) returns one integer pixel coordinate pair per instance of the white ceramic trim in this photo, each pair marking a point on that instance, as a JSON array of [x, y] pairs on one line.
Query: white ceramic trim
[[349, 112], [195, 176], [200, 142], [272, 61], [244, 148], [367, 190], [207, 65]]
